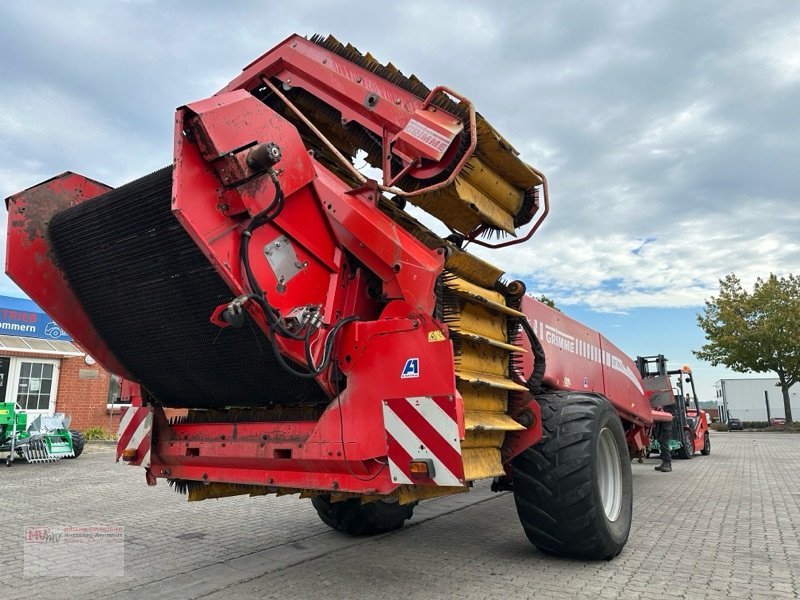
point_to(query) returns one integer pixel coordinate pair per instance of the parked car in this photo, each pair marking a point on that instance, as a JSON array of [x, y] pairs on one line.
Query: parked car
[[778, 422], [735, 425]]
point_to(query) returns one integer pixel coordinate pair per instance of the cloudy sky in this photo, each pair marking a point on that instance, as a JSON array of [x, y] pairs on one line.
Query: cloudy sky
[[669, 130]]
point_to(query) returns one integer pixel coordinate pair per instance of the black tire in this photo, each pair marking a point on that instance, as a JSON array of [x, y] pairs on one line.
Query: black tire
[[557, 483], [706, 445], [687, 446], [78, 442], [355, 518]]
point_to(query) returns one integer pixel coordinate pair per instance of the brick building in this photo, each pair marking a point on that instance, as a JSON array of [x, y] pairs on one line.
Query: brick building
[[43, 370]]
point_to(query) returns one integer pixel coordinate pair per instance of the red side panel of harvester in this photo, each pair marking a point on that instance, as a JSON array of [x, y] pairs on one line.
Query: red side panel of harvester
[[581, 359]]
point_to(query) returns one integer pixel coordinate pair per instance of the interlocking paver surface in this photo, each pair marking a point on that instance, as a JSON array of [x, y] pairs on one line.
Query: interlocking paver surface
[[722, 526]]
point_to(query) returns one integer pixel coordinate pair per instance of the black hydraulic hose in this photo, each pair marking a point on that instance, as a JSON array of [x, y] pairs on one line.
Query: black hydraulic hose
[[327, 354], [275, 323], [262, 218], [534, 383]]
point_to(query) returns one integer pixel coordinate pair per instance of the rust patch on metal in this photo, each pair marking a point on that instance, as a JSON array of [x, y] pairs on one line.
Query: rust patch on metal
[[32, 209]]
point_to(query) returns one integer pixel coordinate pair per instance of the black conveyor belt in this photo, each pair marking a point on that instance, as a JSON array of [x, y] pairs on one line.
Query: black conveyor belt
[[149, 292]]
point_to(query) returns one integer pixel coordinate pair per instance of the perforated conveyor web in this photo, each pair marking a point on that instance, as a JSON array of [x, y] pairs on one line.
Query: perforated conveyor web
[[150, 292]]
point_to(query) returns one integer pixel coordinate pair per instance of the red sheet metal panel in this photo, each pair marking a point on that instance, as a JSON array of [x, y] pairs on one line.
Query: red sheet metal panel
[[29, 262], [581, 359]]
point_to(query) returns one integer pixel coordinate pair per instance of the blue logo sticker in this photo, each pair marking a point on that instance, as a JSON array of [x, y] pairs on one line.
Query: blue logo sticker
[[411, 369]]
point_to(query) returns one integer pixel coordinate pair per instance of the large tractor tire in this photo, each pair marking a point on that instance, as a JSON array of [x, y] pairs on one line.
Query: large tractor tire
[[574, 490], [78, 441], [687, 446], [355, 518]]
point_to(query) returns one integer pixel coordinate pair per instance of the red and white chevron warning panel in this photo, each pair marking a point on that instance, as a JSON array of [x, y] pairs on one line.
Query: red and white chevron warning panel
[[424, 431], [134, 434]]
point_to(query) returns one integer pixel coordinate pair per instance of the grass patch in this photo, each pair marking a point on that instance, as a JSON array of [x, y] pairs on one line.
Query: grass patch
[[99, 433]]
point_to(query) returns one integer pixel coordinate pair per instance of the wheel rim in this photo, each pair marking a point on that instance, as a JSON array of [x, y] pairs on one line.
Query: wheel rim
[[609, 475]]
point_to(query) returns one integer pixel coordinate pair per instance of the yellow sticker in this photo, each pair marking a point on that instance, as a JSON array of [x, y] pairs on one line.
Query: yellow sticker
[[436, 336], [3, 412]]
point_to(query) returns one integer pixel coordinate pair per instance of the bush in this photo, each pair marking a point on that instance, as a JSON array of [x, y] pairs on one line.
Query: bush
[[755, 424], [718, 427], [98, 433]]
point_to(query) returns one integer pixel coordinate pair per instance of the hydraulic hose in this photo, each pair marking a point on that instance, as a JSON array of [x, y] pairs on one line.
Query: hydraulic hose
[[275, 324], [534, 383]]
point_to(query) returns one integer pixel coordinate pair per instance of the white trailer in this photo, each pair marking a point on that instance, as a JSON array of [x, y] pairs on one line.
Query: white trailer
[[757, 399]]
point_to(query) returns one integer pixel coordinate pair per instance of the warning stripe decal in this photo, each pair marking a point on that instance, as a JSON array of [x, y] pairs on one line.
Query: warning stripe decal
[[135, 430], [398, 456], [421, 428], [143, 448], [128, 425]]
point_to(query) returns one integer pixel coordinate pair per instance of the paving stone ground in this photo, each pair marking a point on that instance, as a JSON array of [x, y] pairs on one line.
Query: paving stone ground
[[722, 526]]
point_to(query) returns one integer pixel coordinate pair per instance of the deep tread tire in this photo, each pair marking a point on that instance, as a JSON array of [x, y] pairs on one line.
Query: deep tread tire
[[687, 448], [355, 518], [706, 445], [556, 482], [78, 442]]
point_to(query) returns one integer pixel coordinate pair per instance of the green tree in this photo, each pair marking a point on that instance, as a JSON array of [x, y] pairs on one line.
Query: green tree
[[756, 331], [548, 302]]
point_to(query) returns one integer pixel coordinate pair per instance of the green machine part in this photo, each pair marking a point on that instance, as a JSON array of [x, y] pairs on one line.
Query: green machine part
[[46, 439], [8, 414]]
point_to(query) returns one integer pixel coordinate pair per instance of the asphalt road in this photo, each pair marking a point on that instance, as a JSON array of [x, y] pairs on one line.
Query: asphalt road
[[722, 526]]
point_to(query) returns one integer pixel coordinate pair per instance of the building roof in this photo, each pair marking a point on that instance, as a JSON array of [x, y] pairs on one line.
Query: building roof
[[18, 343]]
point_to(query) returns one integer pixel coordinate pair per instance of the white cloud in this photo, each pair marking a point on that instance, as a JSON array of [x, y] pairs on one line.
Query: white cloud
[[778, 50], [668, 132]]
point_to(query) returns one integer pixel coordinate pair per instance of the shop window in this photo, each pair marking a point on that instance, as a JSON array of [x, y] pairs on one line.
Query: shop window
[[35, 388]]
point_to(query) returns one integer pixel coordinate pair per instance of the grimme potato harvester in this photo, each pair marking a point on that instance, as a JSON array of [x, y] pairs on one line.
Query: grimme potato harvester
[[286, 326]]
